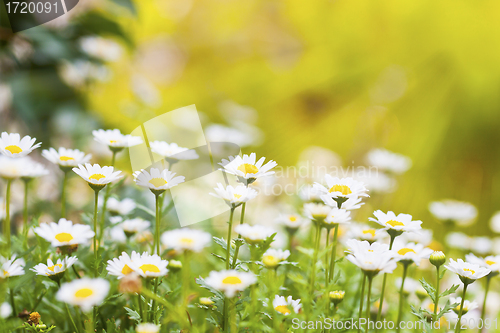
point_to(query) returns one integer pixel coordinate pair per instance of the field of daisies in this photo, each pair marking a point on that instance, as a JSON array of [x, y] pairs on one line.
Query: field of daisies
[[124, 267]]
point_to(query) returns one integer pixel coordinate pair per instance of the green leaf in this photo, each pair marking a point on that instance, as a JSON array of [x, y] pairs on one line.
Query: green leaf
[[132, 314], [446, 309], [429, 289], [449, 291]]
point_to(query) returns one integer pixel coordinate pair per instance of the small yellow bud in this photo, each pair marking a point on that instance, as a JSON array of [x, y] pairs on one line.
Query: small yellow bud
[[336, 296], [437, 258], [206, 301], [270, 261], [174, 265]]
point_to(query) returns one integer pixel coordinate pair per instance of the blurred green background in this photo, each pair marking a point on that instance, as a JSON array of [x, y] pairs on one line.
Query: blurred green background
[[419, 78]]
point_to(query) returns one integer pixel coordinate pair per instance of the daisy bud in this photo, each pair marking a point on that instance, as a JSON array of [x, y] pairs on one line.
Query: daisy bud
[[336, 296], [437, 258], [206, 301], [421, 293], [34, 318], [174, 265], [270, 261], [130, 283]]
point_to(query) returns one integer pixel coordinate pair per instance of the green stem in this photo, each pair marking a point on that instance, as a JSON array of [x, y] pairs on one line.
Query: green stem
[[105, 202], [361, 299], [334, 253], [237, 250], [370, 279], [186, 277], [327, 270], [6, 231], [233, 325], [229, 229], [436, 304], [96, 201], [71, 318], [315, 259], [460, 313], [401, 298], [141, 312], [12, 302], [156, 245], [63, 195], [384, 282], [486, 289], [25, 214]]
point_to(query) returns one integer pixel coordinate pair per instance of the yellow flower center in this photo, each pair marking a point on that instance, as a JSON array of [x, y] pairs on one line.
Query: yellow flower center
[[369, 231], [158, 182], [394, 223], [248, 168], [84, 293], [283, 309], [187, 241], [489, 262], [237, 196], [113, 141], [405, 251], [344, 189], [469, 270], [66, 158], [14, 149], [293, 218], [64, 237], [51, 268], [97, 176], [231, 280], [126, 270], [5, 273], [149, 268]]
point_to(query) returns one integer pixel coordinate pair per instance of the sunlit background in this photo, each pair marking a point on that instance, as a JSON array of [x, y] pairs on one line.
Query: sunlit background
[[418, 78]]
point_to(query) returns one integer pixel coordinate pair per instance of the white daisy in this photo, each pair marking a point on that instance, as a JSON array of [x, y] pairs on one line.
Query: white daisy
[[292, 221], [123, 207], [388, 161], [147, 328], [11, 144], [32, 169], [120, 266], [230, 281], [186, 239], [5, 310], [285, 306], [408, 253], [114, 139], [356, 247], [101, 48], [66, 158], [366, 233], [316, 212], [134, 226], [12, 168], [342, 188], [247, 169], [148, 265], [467, 272], [253, 234], [337, 216], [422, 236], [468, 305], [97, 176], [172, 151], [272, 257], [495, 223], [84, 292], [64, 233], [490, 262], [374, 262], [52, 269], [397, 224], [308, 193], [12, 267], [349, 204], [157, 180], [234, 196], [461, 213]]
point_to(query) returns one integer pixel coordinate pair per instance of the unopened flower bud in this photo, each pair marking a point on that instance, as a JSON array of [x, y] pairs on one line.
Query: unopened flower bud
[[206, 301], [336, 296], [175, 265], [270, 261], [130, 283], [437, 258]]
